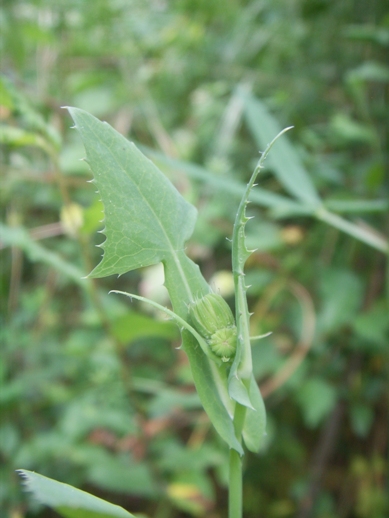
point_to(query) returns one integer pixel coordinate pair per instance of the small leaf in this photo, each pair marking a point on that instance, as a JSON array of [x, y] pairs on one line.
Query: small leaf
[[238, 392], [69, 501], [372, 328], [18, 137]]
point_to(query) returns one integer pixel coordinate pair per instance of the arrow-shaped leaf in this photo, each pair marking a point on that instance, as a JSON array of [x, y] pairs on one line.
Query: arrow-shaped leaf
[[146, 219]]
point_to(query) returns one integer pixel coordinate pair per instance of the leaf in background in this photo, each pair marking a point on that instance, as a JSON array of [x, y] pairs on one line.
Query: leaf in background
[[29, 117], [342, 205], [18, 137], [316, 398], [284, 161], [147, 222], [234, 187], [342, 293], [18, 236], [345, 130], [121, 474], [69, 501], [372, 328], [294, 177], [134, 326]]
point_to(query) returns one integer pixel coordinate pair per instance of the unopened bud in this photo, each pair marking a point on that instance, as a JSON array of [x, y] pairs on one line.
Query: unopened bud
[[212, 317]]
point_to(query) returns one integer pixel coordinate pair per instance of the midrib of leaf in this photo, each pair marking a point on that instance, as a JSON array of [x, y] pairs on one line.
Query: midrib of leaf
[[183, 277]]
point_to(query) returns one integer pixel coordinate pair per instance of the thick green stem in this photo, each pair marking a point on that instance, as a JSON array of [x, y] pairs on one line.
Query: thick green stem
[[235, 489]]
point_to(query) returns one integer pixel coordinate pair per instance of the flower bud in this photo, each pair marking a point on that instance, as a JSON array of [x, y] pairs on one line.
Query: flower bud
[[213, 319]]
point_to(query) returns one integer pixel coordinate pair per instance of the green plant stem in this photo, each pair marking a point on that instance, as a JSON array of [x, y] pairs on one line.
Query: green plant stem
[[235, 485]]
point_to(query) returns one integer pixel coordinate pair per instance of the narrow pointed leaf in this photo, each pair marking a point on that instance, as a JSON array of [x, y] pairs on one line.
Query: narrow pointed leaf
[[241, 383], [68, 501]]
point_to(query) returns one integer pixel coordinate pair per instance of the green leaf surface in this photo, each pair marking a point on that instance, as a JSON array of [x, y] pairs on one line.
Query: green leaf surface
[[342, 296], [148, 221], [121, 474], [69, 501], [238, 392], [18, 137]]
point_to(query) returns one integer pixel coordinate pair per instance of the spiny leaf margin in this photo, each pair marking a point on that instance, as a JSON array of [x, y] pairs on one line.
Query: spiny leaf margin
[[146, 219]]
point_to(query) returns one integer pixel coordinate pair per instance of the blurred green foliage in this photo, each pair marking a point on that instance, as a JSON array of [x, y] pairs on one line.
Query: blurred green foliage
[[94, 392]]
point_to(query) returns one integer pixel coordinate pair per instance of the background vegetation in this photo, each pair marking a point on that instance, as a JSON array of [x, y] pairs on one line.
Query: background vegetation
[[94, 392]]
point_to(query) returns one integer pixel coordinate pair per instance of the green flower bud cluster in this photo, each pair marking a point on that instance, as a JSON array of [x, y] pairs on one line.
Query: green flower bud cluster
[[212, 318]]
